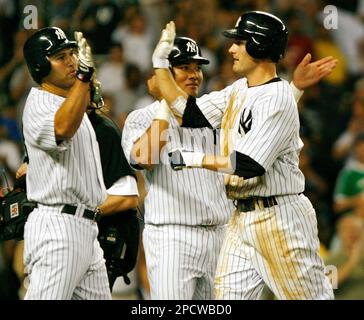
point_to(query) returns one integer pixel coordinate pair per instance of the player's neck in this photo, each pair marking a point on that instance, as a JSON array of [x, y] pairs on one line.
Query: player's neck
[[261, 74], [55, 90]]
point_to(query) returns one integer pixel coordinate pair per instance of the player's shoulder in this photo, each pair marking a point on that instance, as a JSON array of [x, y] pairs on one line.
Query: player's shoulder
[[40, 101], [277, 88], [143, 114], [277, 85]]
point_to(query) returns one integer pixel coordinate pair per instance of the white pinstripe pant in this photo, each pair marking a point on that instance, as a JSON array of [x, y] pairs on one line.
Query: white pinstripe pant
[[278, 246], [181, 260], [63, 258]]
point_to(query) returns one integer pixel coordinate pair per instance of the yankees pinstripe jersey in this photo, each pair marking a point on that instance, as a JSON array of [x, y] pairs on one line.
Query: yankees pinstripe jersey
[[187, 197], [60, 174], [245, 114]]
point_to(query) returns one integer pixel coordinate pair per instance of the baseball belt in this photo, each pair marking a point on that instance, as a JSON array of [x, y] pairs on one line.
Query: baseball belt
[[248, 204]]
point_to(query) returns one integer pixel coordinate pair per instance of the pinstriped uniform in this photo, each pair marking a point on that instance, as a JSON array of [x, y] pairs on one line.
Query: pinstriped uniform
[[185, 213], [276, 245], [62, 255]]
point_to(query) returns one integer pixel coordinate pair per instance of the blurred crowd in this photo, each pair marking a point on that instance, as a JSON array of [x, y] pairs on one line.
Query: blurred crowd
[[123, 34]]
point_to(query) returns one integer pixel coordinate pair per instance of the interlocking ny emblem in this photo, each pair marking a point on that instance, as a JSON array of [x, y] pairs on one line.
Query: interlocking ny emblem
[[60, 34], [191, 47], [245, 121]]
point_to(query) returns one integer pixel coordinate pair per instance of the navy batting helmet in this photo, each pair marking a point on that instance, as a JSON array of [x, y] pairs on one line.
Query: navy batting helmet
[[42, 44], [266, 35], [186, 50]]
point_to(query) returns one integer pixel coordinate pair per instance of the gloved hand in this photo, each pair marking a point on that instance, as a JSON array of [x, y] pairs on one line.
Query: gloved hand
[[180, 159], [164, 46], [86, 63]]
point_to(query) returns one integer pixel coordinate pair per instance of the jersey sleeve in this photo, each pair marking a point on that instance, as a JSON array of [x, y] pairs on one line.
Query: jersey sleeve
[[38, 123], [135, 126], [275, 121], [213, 105], [125, 186]]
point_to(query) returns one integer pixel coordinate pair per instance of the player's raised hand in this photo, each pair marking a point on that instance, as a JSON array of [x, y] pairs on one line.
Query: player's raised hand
[[308, 73], [164, 46], [86, 62]]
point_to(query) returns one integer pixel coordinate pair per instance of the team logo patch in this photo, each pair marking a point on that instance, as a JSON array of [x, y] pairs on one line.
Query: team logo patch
[[60, 34], [245, 122], [191, 47], [14, 210]]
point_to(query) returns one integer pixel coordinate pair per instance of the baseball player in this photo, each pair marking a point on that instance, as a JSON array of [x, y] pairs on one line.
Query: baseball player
[[185, 211], [62, 256], [272, 234]]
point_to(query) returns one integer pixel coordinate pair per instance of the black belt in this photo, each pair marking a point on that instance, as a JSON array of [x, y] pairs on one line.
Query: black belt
[[87, 214], [245, 205]]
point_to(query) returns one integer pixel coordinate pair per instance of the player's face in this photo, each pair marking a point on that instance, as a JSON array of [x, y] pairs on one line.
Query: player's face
[[64, 66], [243, 63], [189, 77]]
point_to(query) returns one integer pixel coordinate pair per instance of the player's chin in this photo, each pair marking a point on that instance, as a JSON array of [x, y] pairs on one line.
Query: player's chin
[[192, 90], [69, 81]]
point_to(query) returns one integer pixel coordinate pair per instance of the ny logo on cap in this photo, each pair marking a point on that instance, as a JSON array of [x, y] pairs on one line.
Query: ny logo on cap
[[191, 47], [60, 34]]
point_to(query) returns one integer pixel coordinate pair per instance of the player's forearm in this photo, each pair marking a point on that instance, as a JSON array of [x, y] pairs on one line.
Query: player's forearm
[[70, 114], [169, 90], [114, 204], [146, 150], [217, 163]]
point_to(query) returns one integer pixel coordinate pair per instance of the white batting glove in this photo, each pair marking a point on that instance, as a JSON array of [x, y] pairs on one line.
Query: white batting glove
[[164, 47], [85, 60], [180, 159]]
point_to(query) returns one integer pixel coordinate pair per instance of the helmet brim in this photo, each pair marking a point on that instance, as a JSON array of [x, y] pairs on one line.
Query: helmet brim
[[233, 34], [198, 59], [66, 45]]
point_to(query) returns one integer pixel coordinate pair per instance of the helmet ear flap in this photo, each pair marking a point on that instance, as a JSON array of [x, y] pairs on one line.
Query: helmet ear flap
[[257, 47]]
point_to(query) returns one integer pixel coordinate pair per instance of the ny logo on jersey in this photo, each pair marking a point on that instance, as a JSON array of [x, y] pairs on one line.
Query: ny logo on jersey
[[191, 47], [246, 120], [60, 34]]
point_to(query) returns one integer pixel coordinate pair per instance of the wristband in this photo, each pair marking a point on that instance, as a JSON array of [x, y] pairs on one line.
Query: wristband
[[159, 63], [179, 106], [193, 159], [84, 73], [163, 112], [297, 93]]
